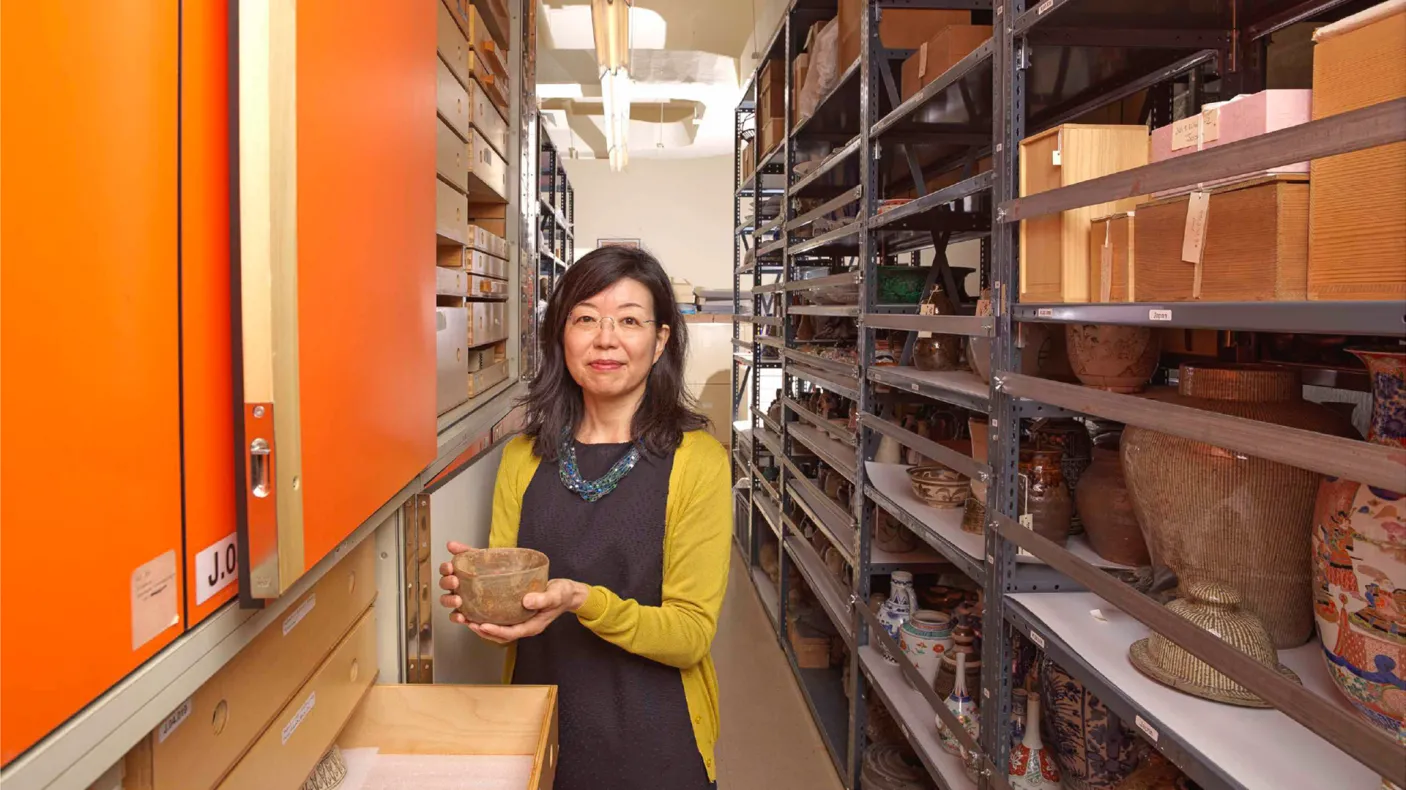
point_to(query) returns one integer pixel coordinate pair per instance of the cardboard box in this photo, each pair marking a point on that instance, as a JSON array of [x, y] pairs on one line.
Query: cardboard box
[[451, 348], [1245, 116], [772, 133], [1054, 249], [1111, 258], [940, 53], [1357, 205], [488, 378], [799, 70], [771, 96], [1255, 250], [898, 28]]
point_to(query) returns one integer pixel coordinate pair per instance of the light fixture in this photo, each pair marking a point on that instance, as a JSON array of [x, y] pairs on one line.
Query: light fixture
[[611, 22]]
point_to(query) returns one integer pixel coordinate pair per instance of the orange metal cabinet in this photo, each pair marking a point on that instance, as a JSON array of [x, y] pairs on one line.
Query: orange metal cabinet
[[211, 561], [336, 267], [90, 548]]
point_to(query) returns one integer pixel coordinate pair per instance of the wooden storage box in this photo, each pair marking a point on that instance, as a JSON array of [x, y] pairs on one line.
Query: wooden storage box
[[1228, 122], [451, 282], [451, 341], [484, 287], [480, 262], [1256, 246], [1054, 249], [451, 100], [481, 239], [772, 133], [486, 356], [451, 156], [1357, 205], [453, 47], [488, 378], [488, 172], [1111, 258], [485, 118], [898, 28], [771, 93], [451, 213], [811, 645], [204, 737], [940, 53], [487, 323]]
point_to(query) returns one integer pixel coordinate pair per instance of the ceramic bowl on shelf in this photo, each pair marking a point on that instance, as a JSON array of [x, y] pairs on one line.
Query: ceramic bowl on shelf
[[492, 583], [938, 486]]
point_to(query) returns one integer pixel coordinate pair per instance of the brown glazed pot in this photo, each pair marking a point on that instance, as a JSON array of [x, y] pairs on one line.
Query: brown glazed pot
[[1109, 521], [1045, 494], [1211, 513], [937, 353], [1113, 358], [492, 583]]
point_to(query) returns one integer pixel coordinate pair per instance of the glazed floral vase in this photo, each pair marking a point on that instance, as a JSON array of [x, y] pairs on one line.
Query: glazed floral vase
[[1113, 358], [924, 638], [961, 704], [1359, 571], [1092, 747], [899, 606], [1208, 513], [1109, 521], [1032, 767]]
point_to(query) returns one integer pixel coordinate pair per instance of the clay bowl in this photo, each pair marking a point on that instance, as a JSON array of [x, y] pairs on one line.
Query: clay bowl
[[492, 583], [939, 486]]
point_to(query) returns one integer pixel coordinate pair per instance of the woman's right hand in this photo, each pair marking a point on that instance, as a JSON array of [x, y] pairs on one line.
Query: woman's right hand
[[451, 600]]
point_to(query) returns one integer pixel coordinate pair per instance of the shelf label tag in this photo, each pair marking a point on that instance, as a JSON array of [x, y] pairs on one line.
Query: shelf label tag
[[177, 717], [216, 567], [914, 386], [1037, 639], [1045, 6], [291, 621], [303, 711], [1159, 315], [1147, 729], [1044, 312], [155, 605]]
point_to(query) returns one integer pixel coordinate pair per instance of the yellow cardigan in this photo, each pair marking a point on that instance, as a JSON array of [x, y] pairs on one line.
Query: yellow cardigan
[[679, 633]]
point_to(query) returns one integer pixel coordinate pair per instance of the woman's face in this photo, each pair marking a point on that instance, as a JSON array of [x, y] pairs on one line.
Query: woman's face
[[611, 340]]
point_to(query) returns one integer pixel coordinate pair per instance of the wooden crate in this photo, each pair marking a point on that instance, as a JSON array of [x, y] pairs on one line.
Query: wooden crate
[[1256, 246], [940, 53], [1054, 249], [1357, 211], [1111, 258]]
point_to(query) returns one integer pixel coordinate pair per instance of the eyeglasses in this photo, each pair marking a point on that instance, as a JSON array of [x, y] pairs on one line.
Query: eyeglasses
[[591, 324]]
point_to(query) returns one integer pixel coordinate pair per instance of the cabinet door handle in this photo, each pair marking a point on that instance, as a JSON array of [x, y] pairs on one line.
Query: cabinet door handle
[[259, 468]]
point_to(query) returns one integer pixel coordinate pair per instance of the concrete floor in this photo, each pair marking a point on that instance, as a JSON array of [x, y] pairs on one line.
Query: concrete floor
[[768, 740]]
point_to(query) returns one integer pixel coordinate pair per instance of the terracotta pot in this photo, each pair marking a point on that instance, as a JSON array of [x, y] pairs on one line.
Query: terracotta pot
[[1209, 513], [1109, 521], [892, 536], [1113, 358], [1094, 749], [939, 352], [1045, 495], [492, 583], [1359, 554]]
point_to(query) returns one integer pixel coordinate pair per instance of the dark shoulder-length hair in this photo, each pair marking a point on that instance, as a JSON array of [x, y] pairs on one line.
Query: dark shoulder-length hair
[[553, 401]]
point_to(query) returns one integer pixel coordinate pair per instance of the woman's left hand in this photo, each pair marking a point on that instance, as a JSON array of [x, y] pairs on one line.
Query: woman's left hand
[[560, 597]]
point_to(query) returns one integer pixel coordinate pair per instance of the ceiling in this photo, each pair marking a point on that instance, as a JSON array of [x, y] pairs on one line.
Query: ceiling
[[683, 62]]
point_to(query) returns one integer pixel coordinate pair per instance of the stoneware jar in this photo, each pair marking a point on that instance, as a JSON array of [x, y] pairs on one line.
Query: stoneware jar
[[1045, 496], [924, 638], [890, 534], [1113, 358], [889, 451], [1211, 513], [1076, 447], [938, 353], [898, 607], [1032, 767], [1109, 521], [1094, 749], [961, 704], [1359, 573]]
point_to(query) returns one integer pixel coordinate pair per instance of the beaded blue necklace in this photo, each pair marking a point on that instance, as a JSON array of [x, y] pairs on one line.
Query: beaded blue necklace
[[592, 490]]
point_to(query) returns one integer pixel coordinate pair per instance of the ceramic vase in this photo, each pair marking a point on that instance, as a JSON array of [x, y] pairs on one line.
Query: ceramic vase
[[961, 704], [938, 353], [1359, 555], [924, 638], [1092, 747], [898, 607], [1113, 358], [1045, 495], [1210, 513], [1032, 767], [1109, 521]]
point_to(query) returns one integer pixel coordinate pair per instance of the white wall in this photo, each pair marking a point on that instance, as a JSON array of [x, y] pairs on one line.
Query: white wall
[[680, 209]]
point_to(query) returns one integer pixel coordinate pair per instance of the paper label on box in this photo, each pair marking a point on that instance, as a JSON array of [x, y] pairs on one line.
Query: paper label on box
[[303, 711], [1194, 238], [923, 60], [291, 621], [177, 717], [216, 567], [1186, 132], [154, 599], [1105, 264], [1210, 125]]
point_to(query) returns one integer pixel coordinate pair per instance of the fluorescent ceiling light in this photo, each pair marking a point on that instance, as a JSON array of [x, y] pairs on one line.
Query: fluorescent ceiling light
[[569, 28], [610, 21]]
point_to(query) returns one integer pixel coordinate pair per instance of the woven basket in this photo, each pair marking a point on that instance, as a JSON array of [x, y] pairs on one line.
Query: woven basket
[[1216, 608]]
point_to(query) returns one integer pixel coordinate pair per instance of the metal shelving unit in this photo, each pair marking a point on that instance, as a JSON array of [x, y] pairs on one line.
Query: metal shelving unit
[[1047, 63], [557, 210]]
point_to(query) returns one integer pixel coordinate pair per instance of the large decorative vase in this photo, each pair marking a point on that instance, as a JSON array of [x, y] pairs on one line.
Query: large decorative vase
[[1109, 521], [1359, 554], [1044, 494], [961, 704], [1113, 358], [901, 603], [1213, 514], [1094, 749], [1032, 766], [924, 638]]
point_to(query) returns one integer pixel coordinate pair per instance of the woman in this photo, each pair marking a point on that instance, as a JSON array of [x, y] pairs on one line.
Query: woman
[[616, 482]]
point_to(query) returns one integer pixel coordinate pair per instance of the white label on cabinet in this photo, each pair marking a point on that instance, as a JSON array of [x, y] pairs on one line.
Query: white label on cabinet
[[914, 386], [292, 620], [177, 717], [155, 607], [1045, 6], [216, 567], [1146, 728], [1044, 312], [303, 711], [1037, 639], [1159, 315]]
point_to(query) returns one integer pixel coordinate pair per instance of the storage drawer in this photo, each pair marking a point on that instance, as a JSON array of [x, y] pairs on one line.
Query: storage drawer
[[471, 23], [451, 282], [484, 380], [495, 85], [451, 156], [1111, 259], [451, 213], [304, 729], [453, 46], [204, 737], [451, 351], [488, 172], [481, 287], [487, 323], [451, 100], [481, 239], [484, 117], [487, 356], [480, 262]]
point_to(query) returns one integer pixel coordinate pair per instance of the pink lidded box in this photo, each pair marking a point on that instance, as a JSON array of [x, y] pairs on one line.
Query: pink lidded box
[[1244, 116]]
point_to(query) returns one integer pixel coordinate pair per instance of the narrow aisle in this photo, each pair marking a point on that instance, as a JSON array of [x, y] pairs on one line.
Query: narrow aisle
[[768, 741]]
